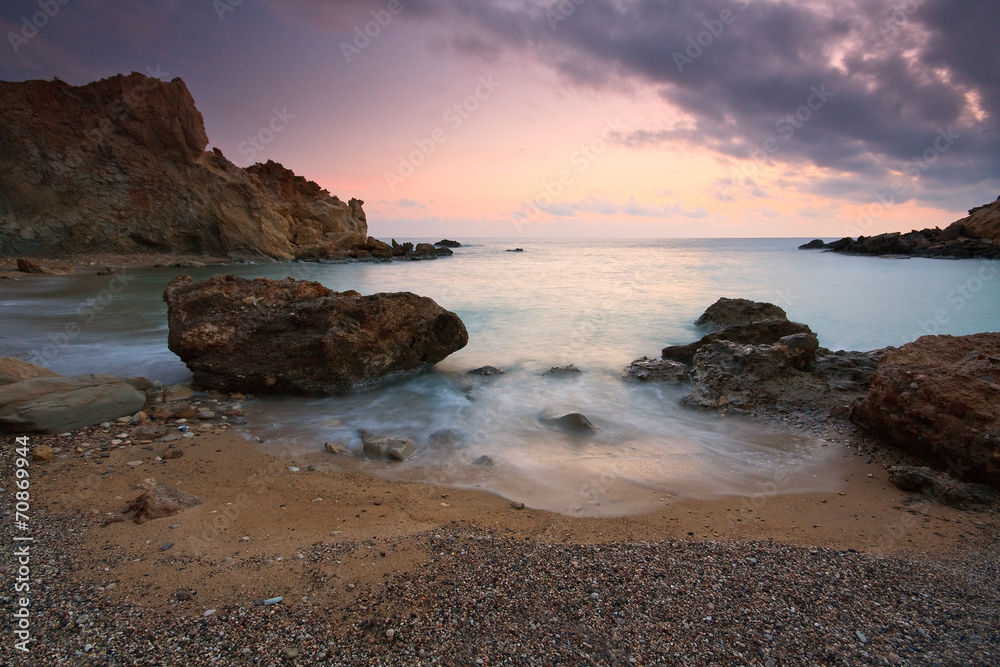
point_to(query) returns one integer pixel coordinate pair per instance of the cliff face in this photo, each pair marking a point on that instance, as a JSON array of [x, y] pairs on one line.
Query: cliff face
[[983, 222], [119, 165]]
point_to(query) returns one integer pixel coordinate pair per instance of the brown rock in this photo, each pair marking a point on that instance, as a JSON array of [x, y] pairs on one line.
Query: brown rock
[[727, 312], [645, 369], [14, 370], [129, 153], [159, 502], [394, 449], [238, 334], [42, 453], [58, 404], [938, 398], [172, 452], [25, 265], [763, 332]]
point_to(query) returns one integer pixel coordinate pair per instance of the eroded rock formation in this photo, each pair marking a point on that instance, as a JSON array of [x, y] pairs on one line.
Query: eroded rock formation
[[119, 165], [297, 336]]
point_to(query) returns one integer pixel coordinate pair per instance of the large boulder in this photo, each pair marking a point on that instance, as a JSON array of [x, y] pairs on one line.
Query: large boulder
[[740, 376], [939, 398], [58, 404], [297, 336], [14, 370], [761, 332], [727, 312]]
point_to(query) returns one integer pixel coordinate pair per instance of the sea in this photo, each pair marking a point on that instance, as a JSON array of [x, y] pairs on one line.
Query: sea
[[594, 303]]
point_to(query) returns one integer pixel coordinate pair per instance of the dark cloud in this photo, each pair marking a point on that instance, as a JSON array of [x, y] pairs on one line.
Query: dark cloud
[[893, 76]]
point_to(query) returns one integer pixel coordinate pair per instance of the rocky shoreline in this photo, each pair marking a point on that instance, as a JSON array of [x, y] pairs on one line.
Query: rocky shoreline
[[164, 537], [975, 236]]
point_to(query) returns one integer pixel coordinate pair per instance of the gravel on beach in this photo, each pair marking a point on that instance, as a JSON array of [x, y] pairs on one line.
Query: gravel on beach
[[479, 598]]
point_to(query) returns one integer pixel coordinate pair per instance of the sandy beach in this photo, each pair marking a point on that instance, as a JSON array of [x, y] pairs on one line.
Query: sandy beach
[[337, 544]]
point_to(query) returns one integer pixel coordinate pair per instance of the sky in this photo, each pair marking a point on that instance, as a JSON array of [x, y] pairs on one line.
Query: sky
[[581, 118]]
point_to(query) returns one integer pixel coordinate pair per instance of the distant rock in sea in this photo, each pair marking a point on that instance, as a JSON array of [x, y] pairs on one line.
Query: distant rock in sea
[[975, 236], [448, 243], [119, 165]]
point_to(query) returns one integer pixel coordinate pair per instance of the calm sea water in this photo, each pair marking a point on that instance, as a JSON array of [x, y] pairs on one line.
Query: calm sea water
[[594, 303]]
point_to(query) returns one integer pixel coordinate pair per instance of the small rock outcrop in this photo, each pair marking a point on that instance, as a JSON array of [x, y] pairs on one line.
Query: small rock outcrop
[[562, 371], [58, 404], [645, 369], [267, 336], [728, 312], [761, 332], [939, 398], [448, 243], [975, 236], [941, 487], [386, 448], [159, 502], [120, 165], [571, 422]]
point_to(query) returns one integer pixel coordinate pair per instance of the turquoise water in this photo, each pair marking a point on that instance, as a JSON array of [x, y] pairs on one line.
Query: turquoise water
[[594, 303]]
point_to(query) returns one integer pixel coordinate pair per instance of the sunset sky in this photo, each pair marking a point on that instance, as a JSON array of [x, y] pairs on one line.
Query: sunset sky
[[618, 118]]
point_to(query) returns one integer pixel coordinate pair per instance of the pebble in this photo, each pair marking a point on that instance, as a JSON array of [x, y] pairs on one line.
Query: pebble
[[135, 463], [270, 601], [208, 613], [166, 546]]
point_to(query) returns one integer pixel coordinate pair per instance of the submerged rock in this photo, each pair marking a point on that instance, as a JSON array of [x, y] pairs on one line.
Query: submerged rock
[[562, 371], [393, 449], [939, 398], [485, 371], [574, 422], [267, 336], [484, 460], [645, 369]]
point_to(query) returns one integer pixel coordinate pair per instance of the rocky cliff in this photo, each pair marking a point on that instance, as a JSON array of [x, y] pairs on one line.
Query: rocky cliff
[[119, 165]]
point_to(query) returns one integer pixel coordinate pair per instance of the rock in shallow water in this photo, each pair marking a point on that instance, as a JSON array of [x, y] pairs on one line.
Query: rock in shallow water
[[267, 336], [393, 449], [645, 369], [573, 422], [727, 312]]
